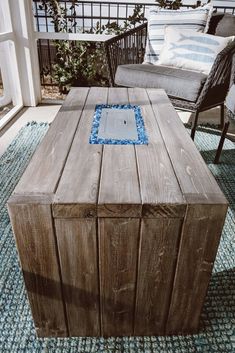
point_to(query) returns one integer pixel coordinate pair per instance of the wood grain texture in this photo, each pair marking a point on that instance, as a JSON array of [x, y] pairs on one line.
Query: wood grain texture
[[118, 253], [163, 210], [191, 171], [74, 210], [119, 210], [45, 168], [119, 194], [77, 243], [33, 230], [137, 227], [158, 184], [159, 242], [199, 243], [79, 184]]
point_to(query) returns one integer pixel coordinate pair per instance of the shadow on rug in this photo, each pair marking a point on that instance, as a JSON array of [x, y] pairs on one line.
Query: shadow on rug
[[217, 333]]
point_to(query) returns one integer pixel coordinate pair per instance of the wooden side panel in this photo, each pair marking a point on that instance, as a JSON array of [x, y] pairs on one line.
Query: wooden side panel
[[44, 170], [159, 242], [199, 242], [33, 229], [77, 243], [202, 224], [118, 253]]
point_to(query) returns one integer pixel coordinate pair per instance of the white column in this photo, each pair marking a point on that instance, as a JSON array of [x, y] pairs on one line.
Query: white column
[[6, 97], [5, 26], [26, 50]]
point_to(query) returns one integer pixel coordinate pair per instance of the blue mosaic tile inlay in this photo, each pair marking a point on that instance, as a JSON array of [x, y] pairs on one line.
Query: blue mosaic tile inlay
[[96, 139]]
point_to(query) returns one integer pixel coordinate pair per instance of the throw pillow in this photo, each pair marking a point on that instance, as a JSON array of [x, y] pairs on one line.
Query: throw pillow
[[226, 26], [191, 50], [196, 19]]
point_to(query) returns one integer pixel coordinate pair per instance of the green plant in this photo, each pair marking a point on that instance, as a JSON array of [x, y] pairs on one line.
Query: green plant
[[170, 4], [82, 63], [77, 63]]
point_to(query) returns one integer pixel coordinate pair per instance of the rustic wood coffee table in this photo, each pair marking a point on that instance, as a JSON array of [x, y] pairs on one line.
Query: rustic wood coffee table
[[117, 240]]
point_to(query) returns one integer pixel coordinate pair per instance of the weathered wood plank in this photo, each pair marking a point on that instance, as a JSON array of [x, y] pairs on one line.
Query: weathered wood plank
[[44, 170], [119, 194], [191, 171], [159, 241], [160, 192], [118, 253], [164, 207], [77, 192], [77, 244], [199, 242], [33, 229], [203, 222]]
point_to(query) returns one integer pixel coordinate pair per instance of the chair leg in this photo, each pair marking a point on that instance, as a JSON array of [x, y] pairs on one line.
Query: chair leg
[[221, 116], [193, 130], [221, 143]]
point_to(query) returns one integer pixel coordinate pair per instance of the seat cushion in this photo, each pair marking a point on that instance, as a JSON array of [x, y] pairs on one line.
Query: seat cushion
[[226, 27], [182, 84]]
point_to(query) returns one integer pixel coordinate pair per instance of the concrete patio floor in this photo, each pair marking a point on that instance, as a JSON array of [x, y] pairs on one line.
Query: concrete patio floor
[[47, 112]]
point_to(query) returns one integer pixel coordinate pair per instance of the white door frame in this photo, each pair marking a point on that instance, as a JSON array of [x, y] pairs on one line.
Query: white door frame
[[18, 56]]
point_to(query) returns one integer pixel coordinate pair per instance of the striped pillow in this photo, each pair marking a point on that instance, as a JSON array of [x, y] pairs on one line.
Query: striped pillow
[[191, 50], [195, 19]]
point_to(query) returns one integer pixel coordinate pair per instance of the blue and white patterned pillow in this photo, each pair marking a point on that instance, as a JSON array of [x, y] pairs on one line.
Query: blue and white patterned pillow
[[191, 50], [194, 19]]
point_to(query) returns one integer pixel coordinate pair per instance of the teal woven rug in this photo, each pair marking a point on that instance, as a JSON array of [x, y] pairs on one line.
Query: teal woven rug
[[217, 327]]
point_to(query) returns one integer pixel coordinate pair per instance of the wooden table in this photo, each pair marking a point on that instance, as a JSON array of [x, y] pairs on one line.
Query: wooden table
[[117, 240]]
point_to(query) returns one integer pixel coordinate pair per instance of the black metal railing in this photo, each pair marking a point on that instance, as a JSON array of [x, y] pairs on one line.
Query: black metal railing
[[225, 9], [47, 58], [86, 14]]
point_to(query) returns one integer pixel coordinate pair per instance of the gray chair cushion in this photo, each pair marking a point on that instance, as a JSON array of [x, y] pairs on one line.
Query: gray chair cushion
[[226, 27], [176, 82]]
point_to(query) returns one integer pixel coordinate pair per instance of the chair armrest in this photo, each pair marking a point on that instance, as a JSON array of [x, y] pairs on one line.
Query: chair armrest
[[232, 81], [125, 48], [217, 84]]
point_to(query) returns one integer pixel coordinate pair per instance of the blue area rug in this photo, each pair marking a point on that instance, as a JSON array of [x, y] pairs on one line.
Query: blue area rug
[[217, 332]]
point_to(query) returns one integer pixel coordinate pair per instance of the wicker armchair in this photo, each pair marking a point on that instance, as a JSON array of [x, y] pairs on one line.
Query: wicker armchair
[[126, 48], [129, 48], [230, 114]]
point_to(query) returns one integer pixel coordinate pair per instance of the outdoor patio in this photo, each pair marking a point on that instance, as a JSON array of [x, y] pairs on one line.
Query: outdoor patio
[[35, 81]]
